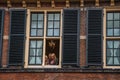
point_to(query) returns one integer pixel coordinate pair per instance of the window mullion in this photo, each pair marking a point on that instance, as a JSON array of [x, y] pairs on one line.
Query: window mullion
[[44, 37]]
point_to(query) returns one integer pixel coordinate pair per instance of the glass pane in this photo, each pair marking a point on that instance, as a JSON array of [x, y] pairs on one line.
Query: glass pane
[[50, 16], [116, 52], [116, 16], [38, 60], [40, 32], [50, 32], [40, 16], [40, 24], [56, 32], [32, 44], [109, 24], [50, 24], [32, 52], [39, 52], [34, 16], [116, 32], [33, 32], [116, 44], [57, 16], [116, 60], [39, 44], [109, 60], [109, 44], [109, 32], [34, 24], [52, 52], [116, 24], [109, 52], [109, 16], [32, 60], [56, 24]]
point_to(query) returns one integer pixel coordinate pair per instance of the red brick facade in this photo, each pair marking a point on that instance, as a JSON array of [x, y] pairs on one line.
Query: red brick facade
[[7, 74], [59, 76]]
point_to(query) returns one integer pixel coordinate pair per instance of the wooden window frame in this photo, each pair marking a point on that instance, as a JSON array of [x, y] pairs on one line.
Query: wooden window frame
[[44, 38], [105, 38]]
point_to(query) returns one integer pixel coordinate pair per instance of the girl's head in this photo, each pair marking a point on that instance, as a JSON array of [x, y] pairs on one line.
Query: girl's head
[[53, 56]]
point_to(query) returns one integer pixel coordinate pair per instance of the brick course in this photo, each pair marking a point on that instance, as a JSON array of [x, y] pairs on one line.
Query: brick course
[[59, 76]]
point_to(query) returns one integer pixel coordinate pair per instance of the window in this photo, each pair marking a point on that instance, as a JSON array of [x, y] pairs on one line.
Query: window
[[46, 45], [44, 39], [112, 39]]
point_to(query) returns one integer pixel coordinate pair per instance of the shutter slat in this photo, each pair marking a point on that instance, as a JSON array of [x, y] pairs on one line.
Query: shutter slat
[[17, 37], [94, 42], [70, 37], [1, 32]]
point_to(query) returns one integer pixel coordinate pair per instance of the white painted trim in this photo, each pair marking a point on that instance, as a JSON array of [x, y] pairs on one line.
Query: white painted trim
[[82, 37], [43, 38], [104, 40], [5, 37]]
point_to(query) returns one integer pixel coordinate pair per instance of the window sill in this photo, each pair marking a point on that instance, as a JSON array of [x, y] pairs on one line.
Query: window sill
[[62, 70]]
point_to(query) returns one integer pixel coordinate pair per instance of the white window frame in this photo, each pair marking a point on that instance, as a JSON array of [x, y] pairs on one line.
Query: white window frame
[[105, 38], [26, 65]]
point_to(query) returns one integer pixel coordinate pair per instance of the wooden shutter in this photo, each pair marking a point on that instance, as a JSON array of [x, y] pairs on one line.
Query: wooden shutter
[[1, 32], [17, 36], [70, 37], [94, 37]]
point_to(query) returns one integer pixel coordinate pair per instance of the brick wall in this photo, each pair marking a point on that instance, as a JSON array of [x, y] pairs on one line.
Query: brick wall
[[53, 76], [59, 76], [5, 38]]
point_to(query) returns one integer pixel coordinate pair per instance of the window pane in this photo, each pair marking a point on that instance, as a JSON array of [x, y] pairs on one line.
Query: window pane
[[40, 24], [33, 32], [109, 24], [109, 52], [56, 24], [38, 60], [32, 52], [116, 16], [116, 52], [116, 32], [39, 44], [39, 52], [57, 16], [40, 32], [34, 16], [116, 24], [110, 60], [109, 44], [40, 16], [116, 44], [50, 24], [50, 16], [109, 16], [32, 44], [32, 60], [56, 32], [34, 24], [109, 32], [50, 32], [52, 52], [116, 60]]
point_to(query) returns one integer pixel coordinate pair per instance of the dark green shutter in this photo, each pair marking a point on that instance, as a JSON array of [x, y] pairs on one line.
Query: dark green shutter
[[1, 32], [17, 36], [94, 37], [70, 37]]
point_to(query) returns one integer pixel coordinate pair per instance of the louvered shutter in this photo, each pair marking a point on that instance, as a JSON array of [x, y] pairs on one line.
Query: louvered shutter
[[94, 38], [17, 36], [70, 37], [1, 32]]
